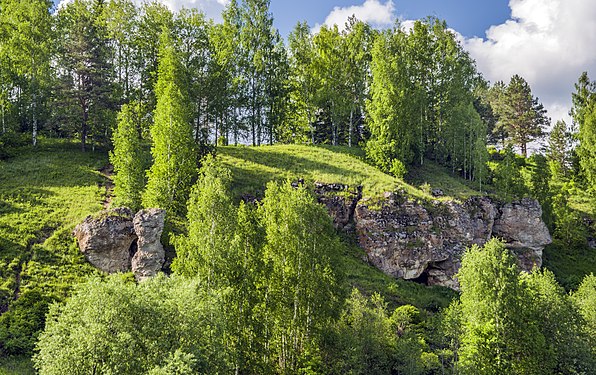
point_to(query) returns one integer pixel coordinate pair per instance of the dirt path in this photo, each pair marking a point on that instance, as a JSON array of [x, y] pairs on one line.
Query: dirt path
[[107, 171]]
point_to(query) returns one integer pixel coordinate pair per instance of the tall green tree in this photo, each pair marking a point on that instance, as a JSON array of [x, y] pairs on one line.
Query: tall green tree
[[26, 50], [86, 74], [584, 115], [499, 334], [521, 114], [561, 323], [174, 159], [300, 254], [129, 160], [303, 85], [559, 152]]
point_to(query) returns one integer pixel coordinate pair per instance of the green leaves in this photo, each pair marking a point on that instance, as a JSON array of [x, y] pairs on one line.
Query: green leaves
[[129, 160], [174, 158]]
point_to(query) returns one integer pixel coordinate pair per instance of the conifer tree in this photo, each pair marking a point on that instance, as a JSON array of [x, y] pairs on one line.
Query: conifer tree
[[174, 159], [129, 161], [521, 114], [584, 116]]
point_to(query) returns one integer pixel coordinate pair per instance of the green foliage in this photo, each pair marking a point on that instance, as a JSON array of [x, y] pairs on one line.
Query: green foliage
[[585, 300], [499, 335], [520, 114], [507, 177], [174, 160], [587, 150], [398, 169], [568, 343], [368, 339], [300, 253], [211, 227], [129, 160], [422, 101], [154, 326]]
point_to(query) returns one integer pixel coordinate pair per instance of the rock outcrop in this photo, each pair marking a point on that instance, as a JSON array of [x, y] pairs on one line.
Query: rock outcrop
[[425, 241], [150, 255], [116, 241], [106, 239]]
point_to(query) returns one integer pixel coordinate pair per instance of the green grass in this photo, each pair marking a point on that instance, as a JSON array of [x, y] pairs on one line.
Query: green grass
[[439, 177], [253, 167], [569, 265], [44, 193], [16, 366], [396, 292]]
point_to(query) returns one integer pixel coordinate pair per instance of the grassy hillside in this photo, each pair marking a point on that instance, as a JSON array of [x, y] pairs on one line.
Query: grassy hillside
[[44, 193], [253, 167]]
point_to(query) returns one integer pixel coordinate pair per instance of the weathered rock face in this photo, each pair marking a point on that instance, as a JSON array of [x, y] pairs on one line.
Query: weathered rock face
[[106, 239], [412, 240], [150, 255], [115, 241]]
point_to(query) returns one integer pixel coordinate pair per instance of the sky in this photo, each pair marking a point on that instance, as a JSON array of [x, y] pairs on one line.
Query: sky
[[548, 42]]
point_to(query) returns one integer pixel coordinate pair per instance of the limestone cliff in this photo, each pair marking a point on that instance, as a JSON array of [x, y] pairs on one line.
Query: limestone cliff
[[425, 240]]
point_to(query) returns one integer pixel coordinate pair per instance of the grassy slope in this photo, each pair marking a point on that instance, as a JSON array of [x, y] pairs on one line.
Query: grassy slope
[[44, 193], [253, 167]]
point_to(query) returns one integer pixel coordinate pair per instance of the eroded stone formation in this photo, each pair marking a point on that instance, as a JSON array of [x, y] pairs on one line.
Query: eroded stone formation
[[425, 241], [116, 241]]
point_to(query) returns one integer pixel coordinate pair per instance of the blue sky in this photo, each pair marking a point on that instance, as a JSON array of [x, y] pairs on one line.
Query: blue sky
[[548, 42], [469, 17]]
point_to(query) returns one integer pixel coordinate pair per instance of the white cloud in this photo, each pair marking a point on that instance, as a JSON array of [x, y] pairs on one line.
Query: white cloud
[[548, 42], [211, 8], [372, 11]]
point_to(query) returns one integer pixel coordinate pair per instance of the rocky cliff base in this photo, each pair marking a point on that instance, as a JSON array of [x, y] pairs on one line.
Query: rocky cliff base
[[117, 241], [424, 241]]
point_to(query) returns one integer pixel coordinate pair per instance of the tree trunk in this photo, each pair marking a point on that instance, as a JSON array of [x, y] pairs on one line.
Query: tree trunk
[[351, 127], [84, 129], [3, 120], [34, 132]]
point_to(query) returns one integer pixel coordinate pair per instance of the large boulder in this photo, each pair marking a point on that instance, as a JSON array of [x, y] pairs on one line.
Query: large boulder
[[106, 239], [115, 241], [150, 255]]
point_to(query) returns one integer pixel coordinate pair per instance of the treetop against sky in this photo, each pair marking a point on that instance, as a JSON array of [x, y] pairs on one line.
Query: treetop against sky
[[544, 41]]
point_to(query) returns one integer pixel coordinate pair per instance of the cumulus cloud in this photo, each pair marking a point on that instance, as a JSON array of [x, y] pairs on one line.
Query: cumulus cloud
[[372, 11], [548, 42], [211, 8]]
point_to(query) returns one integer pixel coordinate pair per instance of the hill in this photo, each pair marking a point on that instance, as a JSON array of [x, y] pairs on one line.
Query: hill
[[253, 167], [44, 193]]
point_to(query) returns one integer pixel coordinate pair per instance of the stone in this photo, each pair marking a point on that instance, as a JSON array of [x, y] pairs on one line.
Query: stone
[[424, 241], [150, 255], [106, 239], [115, 241]]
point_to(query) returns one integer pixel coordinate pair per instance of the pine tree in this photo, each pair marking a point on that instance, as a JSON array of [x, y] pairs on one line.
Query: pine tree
[[129, 161], [174, 159], [86, 76], [521, 114]]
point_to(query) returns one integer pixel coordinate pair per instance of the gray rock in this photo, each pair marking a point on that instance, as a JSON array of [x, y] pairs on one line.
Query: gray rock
[[105, 239], [425, 241], [114, 241], [150, 255]]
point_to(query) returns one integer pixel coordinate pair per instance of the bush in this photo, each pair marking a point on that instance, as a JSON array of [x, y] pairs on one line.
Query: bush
[[398, 169]]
